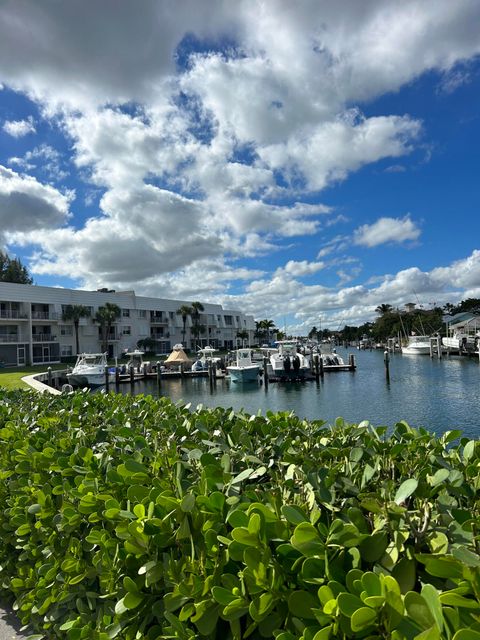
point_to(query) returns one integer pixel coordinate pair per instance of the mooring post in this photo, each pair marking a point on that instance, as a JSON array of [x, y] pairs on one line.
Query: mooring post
[[439, 347], [316, 359], [159, 375], [265, 372], [117, 379], [351, 361], [49, 374], [182, 370], [321, 365], [145, 370], [387, 365], [132, 376], [107, 379]]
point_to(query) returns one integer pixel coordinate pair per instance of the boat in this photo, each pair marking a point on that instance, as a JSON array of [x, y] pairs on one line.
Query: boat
[[417, 345], [178, 358], [135, 360], [463, 334], [89, 370], [244, 370], [330, 358], [288, 362], [205, 356]]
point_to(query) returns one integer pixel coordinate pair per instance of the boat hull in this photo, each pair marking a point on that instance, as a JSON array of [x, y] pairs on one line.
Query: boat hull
[[86, 380], [244, 374]]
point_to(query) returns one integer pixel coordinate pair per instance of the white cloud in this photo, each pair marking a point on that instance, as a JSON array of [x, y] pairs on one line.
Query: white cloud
[[19, 128], [26, 204], [386, 230], [44, 157]]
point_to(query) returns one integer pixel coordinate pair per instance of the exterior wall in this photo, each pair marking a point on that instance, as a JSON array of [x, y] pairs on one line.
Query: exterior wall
[[31, 323]]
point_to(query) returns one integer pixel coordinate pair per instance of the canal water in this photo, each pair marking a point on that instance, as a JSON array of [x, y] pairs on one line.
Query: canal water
[[436, 394]]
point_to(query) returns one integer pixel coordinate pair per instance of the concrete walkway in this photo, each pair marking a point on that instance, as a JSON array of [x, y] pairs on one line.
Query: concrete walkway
[[9, 624]]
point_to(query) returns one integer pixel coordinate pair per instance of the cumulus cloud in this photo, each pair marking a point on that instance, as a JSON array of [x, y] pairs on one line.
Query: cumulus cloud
[[26, 204], [386, 230], [19, 128], [210, 129]]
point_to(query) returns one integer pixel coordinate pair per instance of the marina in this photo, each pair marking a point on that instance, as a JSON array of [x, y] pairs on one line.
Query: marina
[[438, 394]]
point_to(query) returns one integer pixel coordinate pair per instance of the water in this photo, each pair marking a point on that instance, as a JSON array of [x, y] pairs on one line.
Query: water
[[436, 394]]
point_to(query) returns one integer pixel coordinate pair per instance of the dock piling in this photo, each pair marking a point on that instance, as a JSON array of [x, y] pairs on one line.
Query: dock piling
[[117, 379], [132, 376], [265, 372], [49, 373], [107, 379], [386, 358], [159, 376], [351, 362], [316, 364]]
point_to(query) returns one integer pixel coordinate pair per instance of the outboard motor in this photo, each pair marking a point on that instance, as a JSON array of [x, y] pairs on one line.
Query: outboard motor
[[296, 363], [287, 365]]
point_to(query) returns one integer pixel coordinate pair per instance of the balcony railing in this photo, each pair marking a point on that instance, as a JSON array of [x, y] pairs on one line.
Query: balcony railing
[[6, 314], [13, 337], [43, 337], [159, 320], [45, 315]]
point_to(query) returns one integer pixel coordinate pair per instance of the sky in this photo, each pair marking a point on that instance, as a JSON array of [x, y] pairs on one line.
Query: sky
[[300, 161]]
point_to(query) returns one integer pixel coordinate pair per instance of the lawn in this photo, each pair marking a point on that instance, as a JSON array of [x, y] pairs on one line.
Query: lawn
[[11, 378]]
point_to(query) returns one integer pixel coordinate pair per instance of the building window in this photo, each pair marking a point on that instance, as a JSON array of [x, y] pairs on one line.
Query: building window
[[66, 350], [228, 321], [127, 330], [125, 313], [66, 330], [142, 313]]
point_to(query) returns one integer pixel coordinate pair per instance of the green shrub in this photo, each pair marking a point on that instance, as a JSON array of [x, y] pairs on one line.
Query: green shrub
[[134, 518]]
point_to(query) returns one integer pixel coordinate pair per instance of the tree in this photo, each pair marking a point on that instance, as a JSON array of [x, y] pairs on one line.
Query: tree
[[105, 317], [197, 308], [73, 313], [196, 331], [383, 309], [184, 311], [12, 270], [313, 333], [242, 335], [264, 328]]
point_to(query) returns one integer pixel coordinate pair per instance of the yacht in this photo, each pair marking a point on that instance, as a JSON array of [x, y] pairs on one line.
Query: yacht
[[135, 360], [417, 345], [244, 370], [288, 362], [89, 370]]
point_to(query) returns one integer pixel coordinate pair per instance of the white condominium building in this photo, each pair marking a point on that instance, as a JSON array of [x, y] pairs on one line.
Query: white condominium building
[[34, 328]]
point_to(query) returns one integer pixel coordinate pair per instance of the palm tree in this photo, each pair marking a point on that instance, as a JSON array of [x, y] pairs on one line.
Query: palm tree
[[105, 317], [383, 309], [313, 333], [242, 335], [196, 331], [266, 325], [184, 311], [197, 308], [73, 313]]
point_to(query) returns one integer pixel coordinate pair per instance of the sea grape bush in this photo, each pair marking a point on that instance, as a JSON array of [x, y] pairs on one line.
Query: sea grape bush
[[134, 518]]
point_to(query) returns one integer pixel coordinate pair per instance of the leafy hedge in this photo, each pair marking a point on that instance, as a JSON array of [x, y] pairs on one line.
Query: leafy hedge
[[134, 518]]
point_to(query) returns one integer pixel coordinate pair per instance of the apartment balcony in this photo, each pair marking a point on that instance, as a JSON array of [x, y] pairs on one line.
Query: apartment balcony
[[13, 315], [161, 322], [45, 315], [13, 337], [44, 337]]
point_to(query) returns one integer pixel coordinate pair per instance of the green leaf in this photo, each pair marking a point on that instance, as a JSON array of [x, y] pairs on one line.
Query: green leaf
[[293, 514], [373, 547], [188, 503], [433, 602], [348, 603], [307, 540], [133, 600], [405, 490], [469, 450], [455, 600], [261, 606], [301, 603], [467, 634], [363, 618], [439, 476], [223, 596], [418, 610]]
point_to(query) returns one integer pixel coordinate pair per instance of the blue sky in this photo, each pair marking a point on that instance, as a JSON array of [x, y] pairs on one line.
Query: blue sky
[[304, 162]]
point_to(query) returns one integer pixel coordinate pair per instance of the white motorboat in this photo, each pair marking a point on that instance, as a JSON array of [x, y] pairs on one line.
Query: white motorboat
[[244, 370], [135, 360], [417, 345], [288, 362], [205, 356], [330, 358], [463, 336], [89, 370]]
